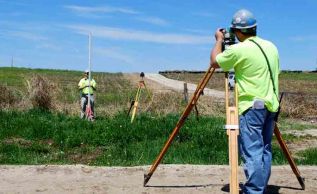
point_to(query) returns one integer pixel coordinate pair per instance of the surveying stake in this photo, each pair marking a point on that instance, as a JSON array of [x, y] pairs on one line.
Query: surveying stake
[[89, 113], [232, 127], [135, 102]]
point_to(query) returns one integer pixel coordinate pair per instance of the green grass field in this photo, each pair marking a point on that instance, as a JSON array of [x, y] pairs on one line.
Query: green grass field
[[41, 137]]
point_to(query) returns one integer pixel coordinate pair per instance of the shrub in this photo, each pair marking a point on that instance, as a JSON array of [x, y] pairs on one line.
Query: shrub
[[40, 92]]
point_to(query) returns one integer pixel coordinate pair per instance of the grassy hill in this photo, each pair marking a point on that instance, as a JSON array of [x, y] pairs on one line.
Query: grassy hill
[[290, 82], [113, 91]]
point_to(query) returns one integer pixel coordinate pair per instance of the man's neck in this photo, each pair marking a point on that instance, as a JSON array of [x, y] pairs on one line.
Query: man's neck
[[245, 37]]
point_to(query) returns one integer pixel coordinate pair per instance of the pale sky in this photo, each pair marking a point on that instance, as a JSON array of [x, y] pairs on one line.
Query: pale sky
[[146, 35]]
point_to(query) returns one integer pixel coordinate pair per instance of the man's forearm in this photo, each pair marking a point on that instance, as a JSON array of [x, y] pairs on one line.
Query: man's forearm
[[214, 52]]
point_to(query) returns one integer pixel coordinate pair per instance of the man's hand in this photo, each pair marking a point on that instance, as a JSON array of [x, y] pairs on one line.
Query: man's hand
[[217, 48], [219, 35]]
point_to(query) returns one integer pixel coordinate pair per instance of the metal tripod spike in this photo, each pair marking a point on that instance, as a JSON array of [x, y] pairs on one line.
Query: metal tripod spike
[[180, 122]]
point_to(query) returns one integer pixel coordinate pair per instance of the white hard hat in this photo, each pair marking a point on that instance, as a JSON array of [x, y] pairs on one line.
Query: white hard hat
[[243, 19]]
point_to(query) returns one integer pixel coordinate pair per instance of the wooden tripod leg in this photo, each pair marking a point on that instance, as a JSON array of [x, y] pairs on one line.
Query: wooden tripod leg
[[288, 156], [180, 122], [232, 126], [147, 91], [233, 132], [136, 103], [131, 105]]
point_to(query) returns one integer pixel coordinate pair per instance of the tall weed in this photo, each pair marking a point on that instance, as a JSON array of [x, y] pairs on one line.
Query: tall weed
[[40, 92]]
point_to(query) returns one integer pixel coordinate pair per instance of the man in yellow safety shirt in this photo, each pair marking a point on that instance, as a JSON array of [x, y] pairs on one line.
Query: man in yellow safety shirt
[[85, 89], [256, 65]]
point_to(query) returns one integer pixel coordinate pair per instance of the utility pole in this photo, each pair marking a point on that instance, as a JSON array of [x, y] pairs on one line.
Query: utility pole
[[12, 61]]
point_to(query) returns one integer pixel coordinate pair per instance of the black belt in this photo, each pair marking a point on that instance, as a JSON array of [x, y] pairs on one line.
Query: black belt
[[86, 95], [243, 113]]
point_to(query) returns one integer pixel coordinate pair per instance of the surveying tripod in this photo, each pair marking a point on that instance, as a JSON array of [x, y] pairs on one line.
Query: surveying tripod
[[135, 102], [233, 132]]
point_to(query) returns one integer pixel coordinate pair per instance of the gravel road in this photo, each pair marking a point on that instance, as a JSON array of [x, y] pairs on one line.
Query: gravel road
[[179, 85]]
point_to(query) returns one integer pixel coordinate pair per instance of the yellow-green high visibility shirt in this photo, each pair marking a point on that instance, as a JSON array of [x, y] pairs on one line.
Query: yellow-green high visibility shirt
[[85, 82], [251, 72]]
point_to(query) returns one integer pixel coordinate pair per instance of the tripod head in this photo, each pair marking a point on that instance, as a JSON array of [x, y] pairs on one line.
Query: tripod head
[[229, 38], [142, 75]]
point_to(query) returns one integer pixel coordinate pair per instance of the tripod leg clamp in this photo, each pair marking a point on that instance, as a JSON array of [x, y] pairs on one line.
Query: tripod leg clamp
[[231, 127]]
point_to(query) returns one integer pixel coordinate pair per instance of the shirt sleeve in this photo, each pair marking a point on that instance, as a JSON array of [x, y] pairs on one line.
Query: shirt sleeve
[[93, 83], [226, 59], [80, 84]]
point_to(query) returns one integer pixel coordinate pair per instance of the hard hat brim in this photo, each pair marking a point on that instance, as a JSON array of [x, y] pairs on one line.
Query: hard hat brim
[[242, 27]]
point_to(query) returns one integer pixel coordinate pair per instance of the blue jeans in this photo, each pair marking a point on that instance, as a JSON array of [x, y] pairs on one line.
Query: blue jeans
[[256, 130]]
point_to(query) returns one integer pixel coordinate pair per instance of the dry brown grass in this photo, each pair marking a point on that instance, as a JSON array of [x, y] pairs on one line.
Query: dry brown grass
[[170, 102], [7, 98], [299, 105], [216, 82], [41, 92], [164, 103], [58, 91], [300, 100]]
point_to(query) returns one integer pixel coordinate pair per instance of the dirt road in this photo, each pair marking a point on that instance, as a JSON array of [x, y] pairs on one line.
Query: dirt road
[[179, 85], [166, 179]]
